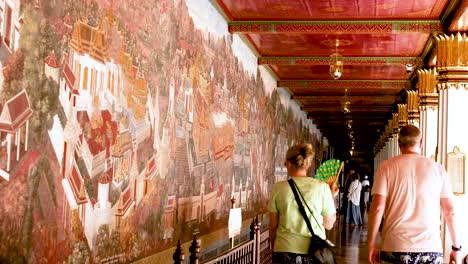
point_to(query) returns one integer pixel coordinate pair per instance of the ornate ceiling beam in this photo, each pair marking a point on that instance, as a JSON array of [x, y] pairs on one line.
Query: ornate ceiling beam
[[336, 27], [337, 110], [356, 124], [355, 118], [339, 93], [321, 99], [323, 106], [354, 61], [343, 84]]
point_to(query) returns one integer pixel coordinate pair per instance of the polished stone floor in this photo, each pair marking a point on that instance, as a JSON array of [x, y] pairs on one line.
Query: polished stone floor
[[351, 241]]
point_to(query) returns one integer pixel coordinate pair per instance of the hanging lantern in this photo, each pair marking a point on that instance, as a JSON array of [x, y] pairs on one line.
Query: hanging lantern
[[336, 64]]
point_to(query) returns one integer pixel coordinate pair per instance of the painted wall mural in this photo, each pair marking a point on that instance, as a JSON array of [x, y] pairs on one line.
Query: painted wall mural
[[124, 128]]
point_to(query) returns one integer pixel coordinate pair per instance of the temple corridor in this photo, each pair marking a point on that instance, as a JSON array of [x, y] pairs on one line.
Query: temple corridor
[[155, 131]]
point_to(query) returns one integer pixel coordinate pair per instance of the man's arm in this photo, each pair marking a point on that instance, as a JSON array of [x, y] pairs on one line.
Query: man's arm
[[448, 210], [375, 218], [273, 227]]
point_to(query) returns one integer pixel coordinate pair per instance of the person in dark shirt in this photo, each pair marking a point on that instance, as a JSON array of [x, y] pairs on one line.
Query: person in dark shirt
[[346, 191]]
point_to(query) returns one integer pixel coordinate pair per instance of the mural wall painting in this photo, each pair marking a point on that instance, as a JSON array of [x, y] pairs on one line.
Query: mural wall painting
[[123, 128]]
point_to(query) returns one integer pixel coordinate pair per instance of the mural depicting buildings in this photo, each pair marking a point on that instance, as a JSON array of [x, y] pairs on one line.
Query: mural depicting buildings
[[127, 136]]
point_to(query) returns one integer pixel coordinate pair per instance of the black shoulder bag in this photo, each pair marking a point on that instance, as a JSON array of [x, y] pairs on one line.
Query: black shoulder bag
[[320, 250]]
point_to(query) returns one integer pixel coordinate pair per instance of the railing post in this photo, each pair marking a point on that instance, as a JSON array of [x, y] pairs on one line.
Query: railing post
[[258, 240], [178, 255], [252, 229], [194, 251]]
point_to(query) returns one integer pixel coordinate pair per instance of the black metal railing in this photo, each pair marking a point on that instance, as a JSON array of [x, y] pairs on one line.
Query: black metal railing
[[255, 251]]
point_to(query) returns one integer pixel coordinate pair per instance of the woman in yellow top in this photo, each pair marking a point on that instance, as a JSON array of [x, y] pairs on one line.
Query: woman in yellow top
[[288, 229]]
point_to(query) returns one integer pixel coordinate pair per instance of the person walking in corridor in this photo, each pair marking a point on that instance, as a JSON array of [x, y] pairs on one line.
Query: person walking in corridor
[[353, 213], [407, 191], [347, 183], [288, 230], [365, 192]]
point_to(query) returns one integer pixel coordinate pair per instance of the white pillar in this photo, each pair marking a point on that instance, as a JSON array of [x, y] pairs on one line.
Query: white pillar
[[18, 143], [26, 136], [9, 151], [453, 109], [453, 130], [429, 121]]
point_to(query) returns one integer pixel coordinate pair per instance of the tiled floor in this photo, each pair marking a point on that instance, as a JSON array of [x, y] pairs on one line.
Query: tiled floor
[[351, 242]]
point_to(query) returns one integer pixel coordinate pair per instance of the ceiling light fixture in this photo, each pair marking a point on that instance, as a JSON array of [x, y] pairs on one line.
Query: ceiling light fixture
[[346, 104], [336, 65]]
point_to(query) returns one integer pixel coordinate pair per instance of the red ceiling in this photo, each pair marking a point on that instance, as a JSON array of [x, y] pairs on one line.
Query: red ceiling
[[295, 38], [332, 10], [320, 72], [382, 44]]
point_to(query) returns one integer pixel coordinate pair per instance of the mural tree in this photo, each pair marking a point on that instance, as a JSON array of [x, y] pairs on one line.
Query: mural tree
[[73, 8], [102, 248], [38, 39], [12, 76], [80, 254], [36, 173]]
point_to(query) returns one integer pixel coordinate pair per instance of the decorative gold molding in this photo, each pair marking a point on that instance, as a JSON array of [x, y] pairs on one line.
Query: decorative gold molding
[[427, 83], [331, 27], [427, 86], [413, 102], [452, 52], [413, 107], [388, 133], [359, 61], [342, 84], [456, 85], [452, 61], [395, 123], [402, 114]]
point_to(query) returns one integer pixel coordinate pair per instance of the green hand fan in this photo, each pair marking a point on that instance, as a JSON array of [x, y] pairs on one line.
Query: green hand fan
[[329, 171]]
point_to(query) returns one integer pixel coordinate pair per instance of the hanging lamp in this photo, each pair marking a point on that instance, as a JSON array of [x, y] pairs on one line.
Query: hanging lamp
[[336, 64]]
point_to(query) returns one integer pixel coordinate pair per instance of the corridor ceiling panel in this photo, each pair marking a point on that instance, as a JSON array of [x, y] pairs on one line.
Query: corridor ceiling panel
[[382, 44], [358, 72], [329, 9], [315, 44]]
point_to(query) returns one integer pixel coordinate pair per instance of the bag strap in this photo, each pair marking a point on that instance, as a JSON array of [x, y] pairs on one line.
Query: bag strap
[[301, 207], [303, 199]]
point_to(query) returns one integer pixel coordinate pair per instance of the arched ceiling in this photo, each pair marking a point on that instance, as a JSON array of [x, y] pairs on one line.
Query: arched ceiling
[[377, 39]]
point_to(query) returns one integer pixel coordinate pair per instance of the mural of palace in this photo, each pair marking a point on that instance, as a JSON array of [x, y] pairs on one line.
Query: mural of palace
[[124, 128]]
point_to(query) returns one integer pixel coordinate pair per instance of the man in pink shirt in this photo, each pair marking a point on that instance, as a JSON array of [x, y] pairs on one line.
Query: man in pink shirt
[[407, 191]]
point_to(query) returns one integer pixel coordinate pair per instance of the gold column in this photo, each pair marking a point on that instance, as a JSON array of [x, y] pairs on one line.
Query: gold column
[[413, 108], [428, 108], [452, 68], [387, 145], [396, 129], [402, 115]]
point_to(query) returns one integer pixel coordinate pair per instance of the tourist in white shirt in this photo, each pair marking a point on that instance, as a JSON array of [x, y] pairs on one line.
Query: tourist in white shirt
[[365, 188], [353, 212]]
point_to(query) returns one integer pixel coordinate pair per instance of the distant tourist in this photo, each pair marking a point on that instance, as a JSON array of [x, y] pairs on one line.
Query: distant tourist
[[353, 211], [365, 190]]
